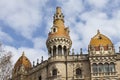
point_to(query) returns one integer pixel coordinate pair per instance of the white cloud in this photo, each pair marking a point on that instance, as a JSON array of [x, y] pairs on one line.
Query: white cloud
[[98, 3], [23, 16], [39, 43]]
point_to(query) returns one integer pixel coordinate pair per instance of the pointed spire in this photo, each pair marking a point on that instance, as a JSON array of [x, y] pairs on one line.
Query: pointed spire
[[98, 31], [58, 10], [58, 15], [23, 54]]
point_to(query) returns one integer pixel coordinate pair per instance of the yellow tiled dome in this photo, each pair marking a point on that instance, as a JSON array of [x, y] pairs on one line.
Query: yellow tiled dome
[[23, 60], [100, 39]]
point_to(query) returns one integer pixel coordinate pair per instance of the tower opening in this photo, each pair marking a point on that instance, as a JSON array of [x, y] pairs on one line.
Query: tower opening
[[65, 50], [54, 50], [59, 50]]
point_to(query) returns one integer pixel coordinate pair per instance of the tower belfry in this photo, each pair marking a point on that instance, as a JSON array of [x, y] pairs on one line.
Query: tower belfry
[[58, 42]]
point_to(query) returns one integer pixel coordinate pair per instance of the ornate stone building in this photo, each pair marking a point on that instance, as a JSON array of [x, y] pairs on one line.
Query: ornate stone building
[[101, 62]]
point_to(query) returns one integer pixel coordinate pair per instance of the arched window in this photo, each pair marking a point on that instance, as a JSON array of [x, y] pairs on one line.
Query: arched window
[[54, 72], [106, 67], [40, 78], [100, 67], [112, 67], [54, 50], [50, 51], [65, 50], [54, 30], [78, 71], [94, 68], [59, 50]]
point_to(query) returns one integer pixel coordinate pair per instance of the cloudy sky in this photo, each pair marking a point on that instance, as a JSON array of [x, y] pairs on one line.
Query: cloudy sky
[[24, 24]]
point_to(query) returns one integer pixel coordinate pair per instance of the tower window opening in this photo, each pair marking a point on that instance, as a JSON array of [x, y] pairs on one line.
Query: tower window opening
[[50, 51], [40, 78], [59, 50], [54, 51], [54, 72], [65, 50]]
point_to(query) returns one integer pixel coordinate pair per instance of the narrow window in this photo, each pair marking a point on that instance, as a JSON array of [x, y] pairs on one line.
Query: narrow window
[[54, 51], [40, 78], [59, 50], [54, 72], [78, 72], [112, 67], [65, 50], [100, 67], [94, 67], [106, 68]]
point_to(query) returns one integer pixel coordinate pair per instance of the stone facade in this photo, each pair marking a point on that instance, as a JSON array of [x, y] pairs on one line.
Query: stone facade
[[101, 62]]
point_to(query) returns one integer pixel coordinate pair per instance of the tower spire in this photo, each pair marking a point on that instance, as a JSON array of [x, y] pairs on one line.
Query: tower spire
[[59, 35], [58, 10], [58, 15]]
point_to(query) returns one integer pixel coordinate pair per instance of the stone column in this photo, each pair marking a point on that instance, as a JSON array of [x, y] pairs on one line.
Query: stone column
[[62, 51]]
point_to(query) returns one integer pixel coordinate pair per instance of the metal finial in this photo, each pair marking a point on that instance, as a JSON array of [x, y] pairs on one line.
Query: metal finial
[[81, 51], [23, 54], [42, 59], [119, 49], [98, 31], [72, 51], [37, 61], [33, 63]]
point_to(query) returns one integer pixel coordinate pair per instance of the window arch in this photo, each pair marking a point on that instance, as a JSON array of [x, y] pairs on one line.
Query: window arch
[[54, 50], [65, 50], [50, 50], [78, 71], [106, 67], [100, 67], [94, 68], [54, 72], [112, 67], [59, 50]]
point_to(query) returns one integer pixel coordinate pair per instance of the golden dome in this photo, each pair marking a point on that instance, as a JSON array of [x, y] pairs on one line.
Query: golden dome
[[59, 29], [23, 60], [100, 39]]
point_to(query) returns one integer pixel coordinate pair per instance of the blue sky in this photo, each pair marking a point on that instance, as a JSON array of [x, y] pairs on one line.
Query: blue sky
[[24, 24]]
